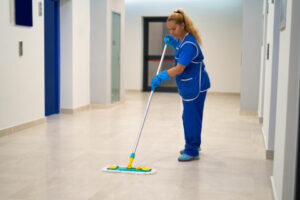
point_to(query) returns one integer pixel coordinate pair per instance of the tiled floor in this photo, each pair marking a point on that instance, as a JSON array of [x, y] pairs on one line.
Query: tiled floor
[[62, 159]]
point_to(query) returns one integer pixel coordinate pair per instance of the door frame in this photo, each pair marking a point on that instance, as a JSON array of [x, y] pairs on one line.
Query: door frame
[[146, 57]]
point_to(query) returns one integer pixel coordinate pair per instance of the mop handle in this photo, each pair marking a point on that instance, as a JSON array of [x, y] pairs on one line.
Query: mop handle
[[149, 101]]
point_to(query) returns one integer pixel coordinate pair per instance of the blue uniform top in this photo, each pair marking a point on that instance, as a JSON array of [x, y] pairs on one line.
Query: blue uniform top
[[194, 79]]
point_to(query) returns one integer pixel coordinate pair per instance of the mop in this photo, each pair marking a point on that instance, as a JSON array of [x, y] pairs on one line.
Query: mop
[[137, 170]]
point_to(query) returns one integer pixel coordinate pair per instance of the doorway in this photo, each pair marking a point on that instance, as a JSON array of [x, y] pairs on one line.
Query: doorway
[[52, 59], [155, 29], [115, 57]]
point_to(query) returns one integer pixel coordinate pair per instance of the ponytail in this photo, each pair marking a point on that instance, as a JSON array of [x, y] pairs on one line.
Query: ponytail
[[180, 17]]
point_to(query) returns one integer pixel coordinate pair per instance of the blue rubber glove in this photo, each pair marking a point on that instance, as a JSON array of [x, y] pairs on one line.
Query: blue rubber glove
[[170, 40], [156, 81]]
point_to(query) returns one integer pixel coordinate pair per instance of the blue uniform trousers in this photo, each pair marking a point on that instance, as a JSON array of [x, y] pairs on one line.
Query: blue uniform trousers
[[192, 122]]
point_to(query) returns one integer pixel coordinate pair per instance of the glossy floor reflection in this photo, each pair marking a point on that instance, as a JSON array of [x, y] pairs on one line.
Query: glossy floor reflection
[[62, 159]]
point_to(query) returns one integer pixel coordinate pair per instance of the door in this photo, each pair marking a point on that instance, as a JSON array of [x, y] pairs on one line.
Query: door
[[155, 29], [115, 57], [52, 60]]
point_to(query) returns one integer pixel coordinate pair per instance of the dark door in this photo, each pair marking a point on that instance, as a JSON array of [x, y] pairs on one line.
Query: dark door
[[154, 30], [52, 60]]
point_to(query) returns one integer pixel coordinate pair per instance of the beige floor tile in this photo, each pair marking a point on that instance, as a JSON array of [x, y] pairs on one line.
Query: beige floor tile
[[63, 158]]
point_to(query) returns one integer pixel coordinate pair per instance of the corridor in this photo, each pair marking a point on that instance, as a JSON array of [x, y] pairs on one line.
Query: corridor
[[63, 158]]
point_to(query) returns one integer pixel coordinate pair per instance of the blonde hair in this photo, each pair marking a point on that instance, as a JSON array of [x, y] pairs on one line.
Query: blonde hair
[[180, 17]]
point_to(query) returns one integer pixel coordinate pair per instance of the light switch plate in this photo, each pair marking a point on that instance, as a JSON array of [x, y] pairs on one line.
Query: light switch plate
[[40, 8], [20, 48]]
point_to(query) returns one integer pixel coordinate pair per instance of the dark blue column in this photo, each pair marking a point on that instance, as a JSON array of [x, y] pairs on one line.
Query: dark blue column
[[52, 57]]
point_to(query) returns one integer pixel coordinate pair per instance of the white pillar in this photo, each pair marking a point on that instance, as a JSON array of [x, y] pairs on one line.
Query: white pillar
[[75, 53], [252, 36]]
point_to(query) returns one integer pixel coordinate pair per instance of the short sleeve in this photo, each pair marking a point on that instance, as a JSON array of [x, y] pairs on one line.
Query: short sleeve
[[187, 52]]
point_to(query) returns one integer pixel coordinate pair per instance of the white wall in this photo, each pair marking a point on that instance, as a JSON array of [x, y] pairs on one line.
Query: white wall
[[21, 78], [252, 39], [66, 54], [81, 53], [220, 24], [101, 14], [99, 74], [75, 53], [263, 54], [284, 171]]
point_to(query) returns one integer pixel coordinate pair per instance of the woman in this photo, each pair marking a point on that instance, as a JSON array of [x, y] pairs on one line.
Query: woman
[[191, 78]]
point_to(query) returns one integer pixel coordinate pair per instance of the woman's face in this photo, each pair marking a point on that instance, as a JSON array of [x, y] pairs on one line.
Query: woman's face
[[175, 29]]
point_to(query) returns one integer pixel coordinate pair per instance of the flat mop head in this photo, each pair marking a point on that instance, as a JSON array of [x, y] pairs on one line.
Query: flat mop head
[[127, 170]]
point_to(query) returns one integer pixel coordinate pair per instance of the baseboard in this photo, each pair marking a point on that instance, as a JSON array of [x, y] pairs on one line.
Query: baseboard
[[23, 126], [76, 110], [133, 90], [103, 106], [223, 93], [90, 106], [6, 131], [275, 197], [270, 154], [248, 112]]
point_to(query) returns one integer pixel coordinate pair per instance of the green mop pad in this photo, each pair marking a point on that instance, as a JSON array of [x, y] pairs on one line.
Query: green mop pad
[[132, 170]]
